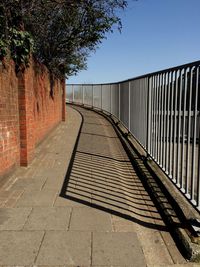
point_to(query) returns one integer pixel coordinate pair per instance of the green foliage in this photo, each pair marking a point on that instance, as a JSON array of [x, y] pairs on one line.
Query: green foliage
[[64, 31], [3, 50], [13, 38], [21, 44]]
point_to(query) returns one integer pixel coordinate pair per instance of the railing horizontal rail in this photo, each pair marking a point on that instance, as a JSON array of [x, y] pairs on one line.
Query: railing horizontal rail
[[162, 111], [194, 63]]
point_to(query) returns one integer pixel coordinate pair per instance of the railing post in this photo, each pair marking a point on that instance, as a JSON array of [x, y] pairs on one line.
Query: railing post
[[110, 99], [101, 98], [72, 93], [83, 100], [148, 115], [129, 106], [92, 96], [119, 102]]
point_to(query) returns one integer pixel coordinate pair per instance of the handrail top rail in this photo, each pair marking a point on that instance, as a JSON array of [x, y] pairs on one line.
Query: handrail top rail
[[184, 66]]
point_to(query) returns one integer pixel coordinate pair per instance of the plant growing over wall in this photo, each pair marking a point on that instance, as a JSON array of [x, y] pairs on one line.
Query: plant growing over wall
[[3, 49], [64, 31], [21, 44], [13, 38]]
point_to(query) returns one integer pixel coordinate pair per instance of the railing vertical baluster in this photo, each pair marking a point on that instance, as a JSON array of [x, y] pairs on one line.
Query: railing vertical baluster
[[129, 105], [183, 134], [167, 121], [92, 96], [149, 129], [142, 112], [164, 121], [82, 87], [171, 123], [198, 175], [189, 132], [101, 97], [161, 117], [119, 101], [144, 96], [110, 99], [175, 127], [194, 174], [157, 117], [179, 130], [73, 93], [159, 120], [154, 116]]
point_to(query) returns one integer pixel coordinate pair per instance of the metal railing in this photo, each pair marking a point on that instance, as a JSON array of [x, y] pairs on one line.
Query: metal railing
[[162, 111]]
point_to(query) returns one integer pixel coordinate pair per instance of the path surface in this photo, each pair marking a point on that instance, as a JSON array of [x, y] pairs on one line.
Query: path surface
[[104, 216]]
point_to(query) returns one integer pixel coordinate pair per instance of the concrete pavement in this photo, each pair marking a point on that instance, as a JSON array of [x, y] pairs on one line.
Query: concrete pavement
[[94, 212]]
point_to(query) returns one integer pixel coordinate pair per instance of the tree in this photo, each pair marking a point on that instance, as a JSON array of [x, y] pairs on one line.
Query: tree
[[64, 31]]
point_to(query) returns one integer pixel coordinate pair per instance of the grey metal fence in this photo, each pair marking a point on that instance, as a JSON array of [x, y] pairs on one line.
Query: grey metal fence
[[162, 111]]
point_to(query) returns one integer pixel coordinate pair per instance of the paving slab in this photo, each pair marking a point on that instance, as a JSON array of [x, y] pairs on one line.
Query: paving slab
[[154, 246], [11, 200], [90, 219], [48, 218], [122, 249], [64, 202], [65, 248], [53, 184], [19, 248], [13, 218], [123, 225], [37, 198], [34, 183], [55, 174]]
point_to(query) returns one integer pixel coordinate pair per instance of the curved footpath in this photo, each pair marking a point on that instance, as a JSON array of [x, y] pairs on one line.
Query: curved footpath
[[90, 211]]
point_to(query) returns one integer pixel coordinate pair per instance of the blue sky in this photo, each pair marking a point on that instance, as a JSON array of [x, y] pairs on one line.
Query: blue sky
[[156, 34]]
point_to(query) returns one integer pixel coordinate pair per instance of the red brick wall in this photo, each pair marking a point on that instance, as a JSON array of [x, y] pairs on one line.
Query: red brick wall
[[47, 107], [28, 111], [9, 118]]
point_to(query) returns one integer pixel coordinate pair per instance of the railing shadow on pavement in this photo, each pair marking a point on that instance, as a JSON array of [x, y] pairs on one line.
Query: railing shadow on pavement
[[102, 180]]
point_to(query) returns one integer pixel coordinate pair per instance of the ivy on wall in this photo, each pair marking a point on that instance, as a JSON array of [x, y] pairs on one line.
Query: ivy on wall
[[19, 48], [3, 49], [15, 41], [21, 45]]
